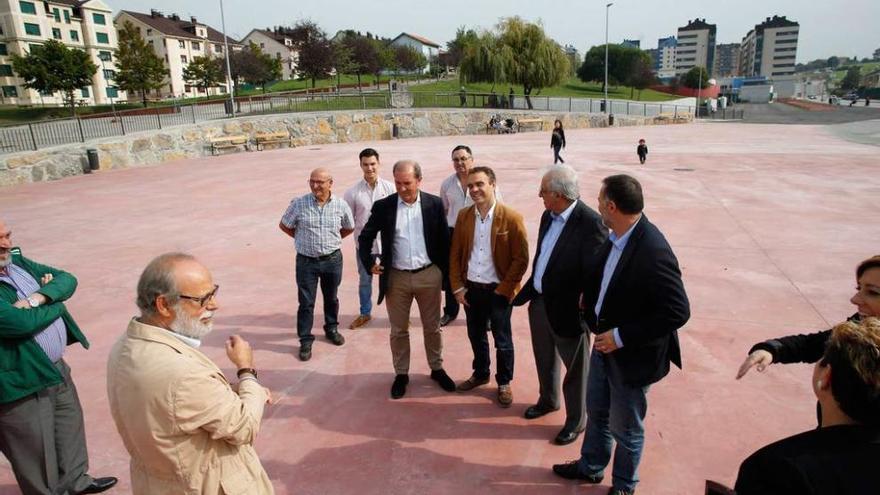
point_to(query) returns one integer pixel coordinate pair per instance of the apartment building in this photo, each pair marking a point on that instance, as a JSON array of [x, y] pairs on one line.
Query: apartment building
[[631, 43], [696, 47], [277, 43], [178, 41], [770, 49], [85, 25], [664, 64], [726, 60]]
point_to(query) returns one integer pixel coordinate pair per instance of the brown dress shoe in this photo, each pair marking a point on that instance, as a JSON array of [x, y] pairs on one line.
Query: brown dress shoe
[[472, 383], [360, 321], [505, 396]]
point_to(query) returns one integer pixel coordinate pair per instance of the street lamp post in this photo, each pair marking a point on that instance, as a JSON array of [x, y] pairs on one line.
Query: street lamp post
[[229, 85], [607, 8]]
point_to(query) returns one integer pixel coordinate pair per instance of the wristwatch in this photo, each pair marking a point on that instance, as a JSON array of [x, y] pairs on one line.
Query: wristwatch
[[243, 371], [33, 301]]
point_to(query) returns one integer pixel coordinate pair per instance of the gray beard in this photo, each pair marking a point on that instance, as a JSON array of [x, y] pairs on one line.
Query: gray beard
[[6, 262], [189, 326]]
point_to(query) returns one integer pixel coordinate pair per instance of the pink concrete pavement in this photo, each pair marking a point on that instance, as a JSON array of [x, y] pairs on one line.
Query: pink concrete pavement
[[768, 223]]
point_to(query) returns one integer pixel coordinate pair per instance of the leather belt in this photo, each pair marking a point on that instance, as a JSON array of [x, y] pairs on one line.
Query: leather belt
[[417, 270], [323, 257], [477, 285]]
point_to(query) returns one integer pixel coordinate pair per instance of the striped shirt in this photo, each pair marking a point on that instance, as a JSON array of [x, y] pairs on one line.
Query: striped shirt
[[317, 227], [52, 339]]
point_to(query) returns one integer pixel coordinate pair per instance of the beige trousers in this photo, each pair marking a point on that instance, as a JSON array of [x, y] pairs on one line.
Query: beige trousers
[[425, 287]]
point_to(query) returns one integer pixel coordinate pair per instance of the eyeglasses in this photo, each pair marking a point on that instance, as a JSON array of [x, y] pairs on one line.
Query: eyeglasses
[[203, 301], [319, 182]]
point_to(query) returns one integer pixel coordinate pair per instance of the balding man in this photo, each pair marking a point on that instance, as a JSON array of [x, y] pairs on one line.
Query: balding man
[[186, 428], [413, 264], [41, 423], [318, 222]]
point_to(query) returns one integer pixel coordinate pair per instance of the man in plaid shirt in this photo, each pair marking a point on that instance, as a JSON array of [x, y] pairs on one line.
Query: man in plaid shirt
[[317, 222]]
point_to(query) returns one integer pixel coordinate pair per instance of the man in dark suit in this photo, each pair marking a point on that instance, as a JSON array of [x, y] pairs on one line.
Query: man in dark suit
[[568, 240], [636, 303], [413, 264]]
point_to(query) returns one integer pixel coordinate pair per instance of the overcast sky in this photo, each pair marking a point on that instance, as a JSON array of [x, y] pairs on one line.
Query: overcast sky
[[827, 27]]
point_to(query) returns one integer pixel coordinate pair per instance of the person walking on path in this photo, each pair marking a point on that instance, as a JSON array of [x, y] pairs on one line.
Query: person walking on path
[[642, 151], [557, 141]]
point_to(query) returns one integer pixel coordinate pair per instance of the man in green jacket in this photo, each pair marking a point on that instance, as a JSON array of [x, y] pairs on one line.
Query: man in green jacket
[[41, 425]]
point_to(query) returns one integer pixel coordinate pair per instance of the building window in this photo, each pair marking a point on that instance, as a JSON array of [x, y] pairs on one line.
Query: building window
[[150, 42], [109, 74], [99, 18], [28, 8], [183, 59], [74, 35], [56, 33], [10, 91], [102, 38], [5, 70], [196, 46], [67, 17], [85, 92], [218, 48], [57, 15], [3, 50], [33, 46], [182, 44], [149, 32], [187, 88], [262, 45], [32, 29], [105, 56], [112, 92]]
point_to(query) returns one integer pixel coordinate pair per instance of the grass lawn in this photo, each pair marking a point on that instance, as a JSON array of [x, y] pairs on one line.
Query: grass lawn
[[16, 115], [297, 85], [840, 73], [574, 88]]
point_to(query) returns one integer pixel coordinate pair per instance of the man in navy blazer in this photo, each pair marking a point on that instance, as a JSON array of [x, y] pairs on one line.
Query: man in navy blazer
[[412, 266], [569, 238], [635, 305]]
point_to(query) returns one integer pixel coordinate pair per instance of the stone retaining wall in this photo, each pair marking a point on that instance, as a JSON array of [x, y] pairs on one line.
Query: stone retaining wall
[[153, 147]]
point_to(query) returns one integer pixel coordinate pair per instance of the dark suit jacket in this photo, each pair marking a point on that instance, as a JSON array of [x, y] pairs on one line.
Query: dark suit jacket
[[838, 460], [645, 301], [573, 258], [383, 218]]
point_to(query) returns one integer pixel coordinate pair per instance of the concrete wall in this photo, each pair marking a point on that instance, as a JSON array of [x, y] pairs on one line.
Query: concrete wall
[[306, 129]]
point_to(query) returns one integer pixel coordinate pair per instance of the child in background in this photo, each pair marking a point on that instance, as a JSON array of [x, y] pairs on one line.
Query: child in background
[[642, 151]]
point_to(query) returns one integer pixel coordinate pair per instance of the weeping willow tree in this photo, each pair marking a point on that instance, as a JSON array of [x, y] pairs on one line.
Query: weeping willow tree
[[517, 53]]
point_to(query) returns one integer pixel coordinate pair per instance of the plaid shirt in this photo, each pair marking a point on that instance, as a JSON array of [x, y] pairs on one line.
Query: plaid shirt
[[317, 227]]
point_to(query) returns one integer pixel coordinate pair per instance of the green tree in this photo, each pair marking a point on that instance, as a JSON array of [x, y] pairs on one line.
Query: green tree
[[641, 75], [455, 49], [623, 64], [364, 55], [852, 78], [52, 67], [315, 50], [139, 69], [204, 73], [261, 68], [696, 78], [409, 59], [343, 61], [518, 53]]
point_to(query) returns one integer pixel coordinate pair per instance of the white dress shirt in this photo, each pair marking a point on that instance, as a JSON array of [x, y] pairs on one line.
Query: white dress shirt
[[360, 198], [409, 249], [557, 224], [455, 198], [481, 268]]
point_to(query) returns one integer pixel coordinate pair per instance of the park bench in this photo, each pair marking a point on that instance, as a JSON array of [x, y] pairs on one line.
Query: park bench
[[261, 139], [524, 122], [225, 142]]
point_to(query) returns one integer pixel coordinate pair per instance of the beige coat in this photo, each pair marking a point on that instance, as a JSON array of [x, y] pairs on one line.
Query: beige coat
[[187, 431]]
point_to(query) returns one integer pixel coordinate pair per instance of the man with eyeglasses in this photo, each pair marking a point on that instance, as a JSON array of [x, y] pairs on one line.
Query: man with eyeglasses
[[41, 423], [318, 222], [454, 194], [187, 429]]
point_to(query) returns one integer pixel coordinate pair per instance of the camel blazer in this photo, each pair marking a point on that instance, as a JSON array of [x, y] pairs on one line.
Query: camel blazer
[[187, 430], [510, 248]]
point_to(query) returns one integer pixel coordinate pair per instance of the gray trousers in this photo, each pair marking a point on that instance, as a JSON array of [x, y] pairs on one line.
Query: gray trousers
[[550, 349], [44, 439]]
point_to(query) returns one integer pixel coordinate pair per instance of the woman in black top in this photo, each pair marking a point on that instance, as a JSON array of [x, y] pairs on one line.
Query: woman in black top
[[808, 348], [557, 141]]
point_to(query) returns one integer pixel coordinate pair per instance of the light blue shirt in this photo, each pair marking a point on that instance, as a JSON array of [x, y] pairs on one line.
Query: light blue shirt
[[557, 223], [52, 339], [618, 244]]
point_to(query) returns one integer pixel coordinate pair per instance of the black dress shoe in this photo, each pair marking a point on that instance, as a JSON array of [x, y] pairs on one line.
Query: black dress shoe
[[446, 320], [566, 436], [571, 471], [537, 411], [100, 485], [305, 351], [336, 338], [398, 388], [443, 379]]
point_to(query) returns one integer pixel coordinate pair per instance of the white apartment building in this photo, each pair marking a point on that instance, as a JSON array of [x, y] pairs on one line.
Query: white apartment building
[[696, 46], [664, 65], [277, 44], [86, 25], [178, 41], [423, 45], [770, 49]]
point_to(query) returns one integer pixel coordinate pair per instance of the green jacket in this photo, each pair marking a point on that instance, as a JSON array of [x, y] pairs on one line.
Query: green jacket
[[24, 367]]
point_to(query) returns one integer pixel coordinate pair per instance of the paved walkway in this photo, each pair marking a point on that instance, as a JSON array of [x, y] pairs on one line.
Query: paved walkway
[[768, 222]]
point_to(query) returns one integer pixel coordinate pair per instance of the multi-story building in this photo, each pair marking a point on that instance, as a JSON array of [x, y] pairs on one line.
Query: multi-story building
[[664, 64], [84, 25], [770, 49], [421, 44], [696, 47], [277, 43], [632, 43], [726, 60], [178, 41]]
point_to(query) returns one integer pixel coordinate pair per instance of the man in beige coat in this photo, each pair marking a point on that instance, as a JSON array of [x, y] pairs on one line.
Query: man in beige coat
[[188, 430]]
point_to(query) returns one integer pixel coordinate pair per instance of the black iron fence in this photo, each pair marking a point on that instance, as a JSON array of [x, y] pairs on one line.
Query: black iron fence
[[37, 135]]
